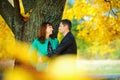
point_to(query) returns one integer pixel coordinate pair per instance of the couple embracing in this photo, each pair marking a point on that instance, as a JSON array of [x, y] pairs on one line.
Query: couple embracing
[[48, 46]]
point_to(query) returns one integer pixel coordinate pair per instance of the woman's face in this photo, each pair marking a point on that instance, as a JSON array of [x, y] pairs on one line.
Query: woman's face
[[49, 29]]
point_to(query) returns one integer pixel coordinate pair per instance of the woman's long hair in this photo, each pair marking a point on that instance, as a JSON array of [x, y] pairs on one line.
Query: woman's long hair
[[42, 31]]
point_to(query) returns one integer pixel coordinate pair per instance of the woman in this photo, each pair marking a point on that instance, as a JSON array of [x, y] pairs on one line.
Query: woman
[[44, 43]]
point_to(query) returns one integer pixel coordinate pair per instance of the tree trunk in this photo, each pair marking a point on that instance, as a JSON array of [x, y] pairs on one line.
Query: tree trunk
[[7, 12], [28, 4], [12, 17], [18, 24], [43, 11]]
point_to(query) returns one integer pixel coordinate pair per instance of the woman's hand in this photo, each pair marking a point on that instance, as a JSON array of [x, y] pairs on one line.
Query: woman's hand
[[40, 60], [43, 59]]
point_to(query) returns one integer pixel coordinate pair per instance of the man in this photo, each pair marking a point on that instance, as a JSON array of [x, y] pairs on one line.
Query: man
[[68, 43]]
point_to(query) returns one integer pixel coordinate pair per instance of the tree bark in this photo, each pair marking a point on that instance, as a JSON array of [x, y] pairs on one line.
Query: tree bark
[[7, 12], [12, 17], [28, 4], [18, 25], [43, 11]]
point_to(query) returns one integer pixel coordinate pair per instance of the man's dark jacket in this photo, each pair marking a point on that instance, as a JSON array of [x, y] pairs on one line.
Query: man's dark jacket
[[67, 45]]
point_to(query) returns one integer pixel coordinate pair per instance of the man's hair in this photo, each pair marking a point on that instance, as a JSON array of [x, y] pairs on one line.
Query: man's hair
[[66, 22]]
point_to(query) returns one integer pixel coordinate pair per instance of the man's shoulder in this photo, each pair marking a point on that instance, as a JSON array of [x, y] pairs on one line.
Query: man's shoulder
[[70, 35]]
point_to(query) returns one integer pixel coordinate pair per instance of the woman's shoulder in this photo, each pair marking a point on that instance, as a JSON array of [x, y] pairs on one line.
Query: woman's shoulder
[[36, 40]]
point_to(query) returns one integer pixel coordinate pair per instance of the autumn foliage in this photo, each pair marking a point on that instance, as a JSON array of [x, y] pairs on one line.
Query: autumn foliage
[[96, 27], [97, 30], [100, 19]]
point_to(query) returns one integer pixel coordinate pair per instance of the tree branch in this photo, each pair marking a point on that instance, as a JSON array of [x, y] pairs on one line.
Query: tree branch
[[12, 17], [44, 11], [111, 7], [7, 12]]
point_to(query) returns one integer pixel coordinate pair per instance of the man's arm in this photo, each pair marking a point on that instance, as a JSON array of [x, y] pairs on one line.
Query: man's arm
[[63, 45]]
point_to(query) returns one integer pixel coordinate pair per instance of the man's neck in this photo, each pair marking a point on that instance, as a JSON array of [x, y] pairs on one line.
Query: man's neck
[[65, 33]]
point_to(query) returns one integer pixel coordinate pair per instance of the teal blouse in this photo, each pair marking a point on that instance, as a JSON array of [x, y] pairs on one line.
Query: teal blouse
[[42, 47]]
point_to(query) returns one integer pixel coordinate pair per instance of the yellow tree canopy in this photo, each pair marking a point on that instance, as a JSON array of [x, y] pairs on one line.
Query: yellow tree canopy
[[101, 19]]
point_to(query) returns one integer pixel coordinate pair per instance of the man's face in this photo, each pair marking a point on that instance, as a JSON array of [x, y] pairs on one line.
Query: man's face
[[62, 28]]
